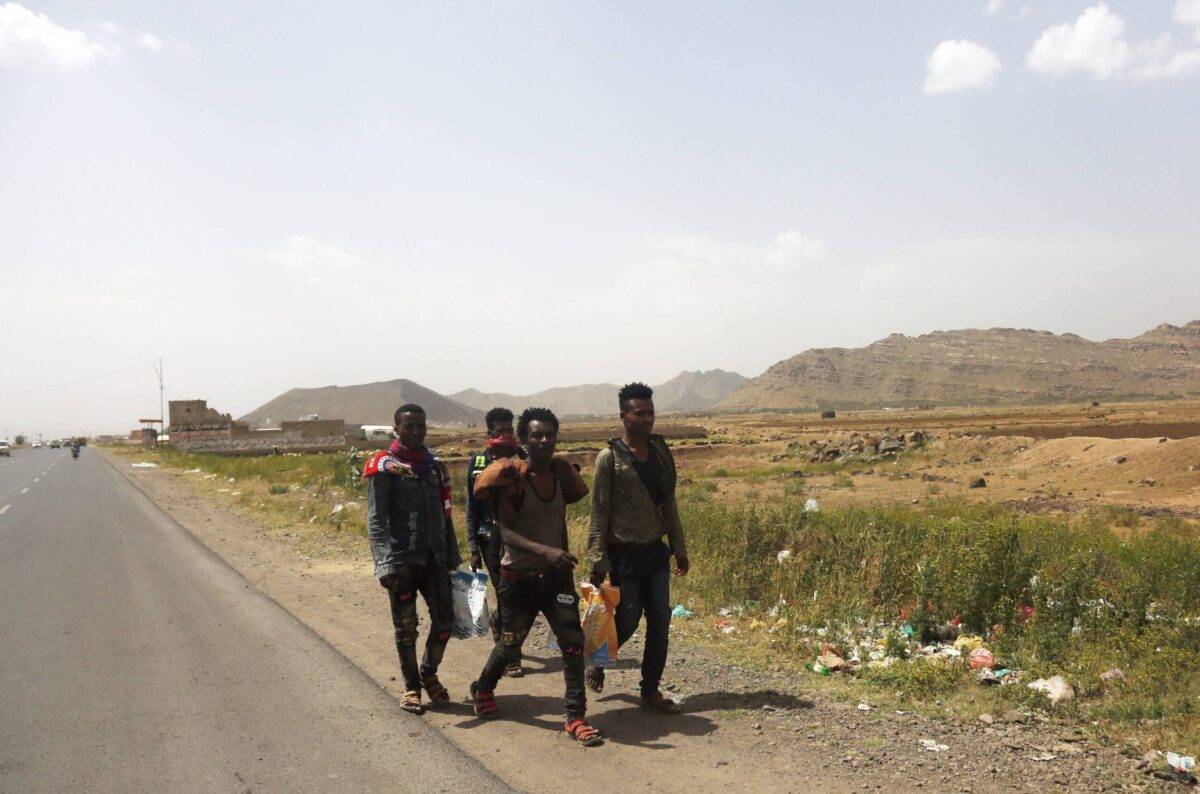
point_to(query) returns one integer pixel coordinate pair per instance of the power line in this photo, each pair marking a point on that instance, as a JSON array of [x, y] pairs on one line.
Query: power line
[[77, 381]]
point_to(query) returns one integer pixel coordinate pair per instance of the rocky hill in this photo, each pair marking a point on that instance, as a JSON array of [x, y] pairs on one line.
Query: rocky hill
[[687, 391], [365, 404], [1000, 365]]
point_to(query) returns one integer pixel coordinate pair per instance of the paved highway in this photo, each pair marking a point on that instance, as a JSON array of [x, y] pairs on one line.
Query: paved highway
[[131, 658]]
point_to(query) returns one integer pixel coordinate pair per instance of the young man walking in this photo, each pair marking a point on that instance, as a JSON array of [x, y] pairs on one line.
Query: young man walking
[[531, 501], [483, 538], [414, 547], [633, 506]]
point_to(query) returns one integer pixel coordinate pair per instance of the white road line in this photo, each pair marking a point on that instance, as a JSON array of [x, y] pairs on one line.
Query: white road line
[[4, 509], [24, 490]]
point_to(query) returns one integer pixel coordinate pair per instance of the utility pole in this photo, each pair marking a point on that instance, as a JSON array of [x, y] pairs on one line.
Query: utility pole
[[158, 369]]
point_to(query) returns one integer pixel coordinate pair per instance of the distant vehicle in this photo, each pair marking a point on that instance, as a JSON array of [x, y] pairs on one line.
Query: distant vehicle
[[55, 445], [37, 445], [5, 449], [375, 432]]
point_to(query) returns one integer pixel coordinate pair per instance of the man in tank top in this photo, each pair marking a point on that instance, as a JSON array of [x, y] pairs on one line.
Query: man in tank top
[[530, 499]]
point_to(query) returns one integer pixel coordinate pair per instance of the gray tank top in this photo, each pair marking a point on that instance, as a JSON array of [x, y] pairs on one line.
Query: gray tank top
[[540, 520]]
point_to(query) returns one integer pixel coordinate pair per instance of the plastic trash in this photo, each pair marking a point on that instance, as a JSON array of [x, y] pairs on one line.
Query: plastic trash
[[1112, 674], [680, 611], [863, 706], [599, 623], [982, 659], [934, 746], [1181, 763], [818, 668], [908, 631], [1055, 688], [783, 556], [144, 465], [468, 591], [811, 506], [968, 642]]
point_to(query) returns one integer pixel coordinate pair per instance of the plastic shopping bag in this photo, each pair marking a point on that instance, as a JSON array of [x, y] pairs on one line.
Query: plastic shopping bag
[[599, 623], [469, 592]]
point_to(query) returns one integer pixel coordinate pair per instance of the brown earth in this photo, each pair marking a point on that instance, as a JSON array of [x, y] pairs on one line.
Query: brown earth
[[748, 728]]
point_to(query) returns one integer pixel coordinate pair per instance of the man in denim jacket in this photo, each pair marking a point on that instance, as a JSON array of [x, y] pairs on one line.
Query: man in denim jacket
[[414, 547]]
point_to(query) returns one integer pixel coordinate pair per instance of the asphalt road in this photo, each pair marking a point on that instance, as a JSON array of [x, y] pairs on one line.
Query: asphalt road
[[131, 658]]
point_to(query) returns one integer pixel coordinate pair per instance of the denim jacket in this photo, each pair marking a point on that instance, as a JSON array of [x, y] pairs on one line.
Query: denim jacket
[[407, 523]]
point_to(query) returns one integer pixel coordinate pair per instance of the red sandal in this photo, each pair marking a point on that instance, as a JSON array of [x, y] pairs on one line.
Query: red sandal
[[583, 733], [485, 702]]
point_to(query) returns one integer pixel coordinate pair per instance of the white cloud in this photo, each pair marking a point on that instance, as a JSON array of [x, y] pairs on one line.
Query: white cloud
[[33, 42], [958, 65], [1159, 58], [1095, 44], [1187, 12], [315, 261], [993, 8], [787, 252], [111, 28], [150, 42]]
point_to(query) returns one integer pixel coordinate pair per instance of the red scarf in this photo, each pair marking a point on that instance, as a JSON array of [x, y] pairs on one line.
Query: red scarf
[[504, 446], [419, 460]]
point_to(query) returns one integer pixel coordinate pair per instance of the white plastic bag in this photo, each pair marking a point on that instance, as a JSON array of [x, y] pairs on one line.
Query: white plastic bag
[[469, 591]]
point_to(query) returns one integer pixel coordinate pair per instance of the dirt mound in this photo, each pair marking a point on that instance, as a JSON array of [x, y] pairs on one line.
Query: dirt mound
[[1113, 462]]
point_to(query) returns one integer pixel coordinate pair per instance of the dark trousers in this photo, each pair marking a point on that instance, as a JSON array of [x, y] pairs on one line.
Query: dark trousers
[[521, 600], [492, 549], [433, 583], [644, 576]]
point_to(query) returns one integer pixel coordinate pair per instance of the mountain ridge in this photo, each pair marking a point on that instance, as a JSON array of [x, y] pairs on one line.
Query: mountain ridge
[[987, 366]]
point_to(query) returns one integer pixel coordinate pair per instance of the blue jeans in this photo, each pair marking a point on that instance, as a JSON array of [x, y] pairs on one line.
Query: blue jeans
[[644, 576]]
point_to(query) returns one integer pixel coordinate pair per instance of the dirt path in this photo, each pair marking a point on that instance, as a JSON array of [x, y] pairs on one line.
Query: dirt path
[[740, 729]]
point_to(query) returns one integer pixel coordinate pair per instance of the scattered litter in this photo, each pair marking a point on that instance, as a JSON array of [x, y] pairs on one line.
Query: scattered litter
[[1055, 688], [194, 471], [144, 465], [1043, 757], [982, 659], [968, 642], [1181, 763], [831, 660], [680, 611], [236, 493], [1112, 674], [811, 506], [337, 508], [933, 746], [783, 556], [864, 706]]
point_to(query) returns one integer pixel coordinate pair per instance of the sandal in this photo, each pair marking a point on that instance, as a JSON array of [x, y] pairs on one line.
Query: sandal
[[583, 733], [514, 670], [411, 702], [485, 702], [594, 678], [657, 701], [437, 692]]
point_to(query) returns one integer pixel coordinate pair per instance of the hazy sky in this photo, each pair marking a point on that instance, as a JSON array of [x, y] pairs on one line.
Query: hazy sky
[[513, 196]]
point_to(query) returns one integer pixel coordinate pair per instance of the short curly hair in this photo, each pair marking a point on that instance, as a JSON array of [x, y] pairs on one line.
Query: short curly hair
[[497, 414], [535, 415], [633, 391]]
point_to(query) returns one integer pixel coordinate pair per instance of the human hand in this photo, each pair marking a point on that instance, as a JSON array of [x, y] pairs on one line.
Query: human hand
[[682, 565], [560, 559], [388, 581]]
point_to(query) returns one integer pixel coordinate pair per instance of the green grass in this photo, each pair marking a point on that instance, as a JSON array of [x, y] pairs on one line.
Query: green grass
[[1108, 588]]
